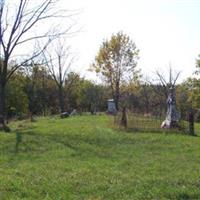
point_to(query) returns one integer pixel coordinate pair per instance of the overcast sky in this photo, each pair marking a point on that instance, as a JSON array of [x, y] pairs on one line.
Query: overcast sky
[[165, 31]]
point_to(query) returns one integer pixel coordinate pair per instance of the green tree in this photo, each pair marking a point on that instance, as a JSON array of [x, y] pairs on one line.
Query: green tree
[[185, 98], [17, 99], [72, 89], [193, 86], [16, 26], [116, 61]]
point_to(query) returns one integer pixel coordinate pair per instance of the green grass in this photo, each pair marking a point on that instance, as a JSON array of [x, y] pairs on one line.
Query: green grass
[[84, 158]]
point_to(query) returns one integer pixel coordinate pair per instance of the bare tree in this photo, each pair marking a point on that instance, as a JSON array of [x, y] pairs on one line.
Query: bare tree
[[162, 85], [168, 84], [18, 20], [59, 61]]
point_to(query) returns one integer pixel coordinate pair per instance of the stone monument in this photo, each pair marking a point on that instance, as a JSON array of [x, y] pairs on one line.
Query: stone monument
[[173, 116], [111, 106]]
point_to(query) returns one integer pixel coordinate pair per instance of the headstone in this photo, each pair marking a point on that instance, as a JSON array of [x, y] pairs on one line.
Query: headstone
[[111, 106], [74, 112], [173, 117]]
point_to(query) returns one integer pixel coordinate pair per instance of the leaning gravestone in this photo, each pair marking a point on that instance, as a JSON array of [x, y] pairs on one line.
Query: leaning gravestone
[[64, 115], [173, 116], [111, 107]]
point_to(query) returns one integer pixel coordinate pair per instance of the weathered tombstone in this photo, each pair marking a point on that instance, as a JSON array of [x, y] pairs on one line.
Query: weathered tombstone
[[111, 106], [74, 112], [173, 117], [64, 115]]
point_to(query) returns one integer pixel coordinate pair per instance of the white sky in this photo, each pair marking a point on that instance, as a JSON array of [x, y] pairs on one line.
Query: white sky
[[165, 31]]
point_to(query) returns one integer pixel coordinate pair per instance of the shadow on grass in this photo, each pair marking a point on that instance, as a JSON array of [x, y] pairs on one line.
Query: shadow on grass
[[97, 143], [32, 143], [184, 196]]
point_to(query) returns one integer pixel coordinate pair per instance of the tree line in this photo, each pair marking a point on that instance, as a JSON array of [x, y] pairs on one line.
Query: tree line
[[35, 92]]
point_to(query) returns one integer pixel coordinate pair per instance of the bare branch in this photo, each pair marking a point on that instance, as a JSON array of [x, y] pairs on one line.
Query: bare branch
[[176, 78], [27, 60], [161, 78], [13, 28]]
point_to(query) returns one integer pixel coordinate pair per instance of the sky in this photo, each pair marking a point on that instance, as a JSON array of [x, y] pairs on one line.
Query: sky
[[166, 32]]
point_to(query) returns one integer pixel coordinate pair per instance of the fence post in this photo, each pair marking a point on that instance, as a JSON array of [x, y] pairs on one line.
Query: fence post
[[124, 118], [191, 122]]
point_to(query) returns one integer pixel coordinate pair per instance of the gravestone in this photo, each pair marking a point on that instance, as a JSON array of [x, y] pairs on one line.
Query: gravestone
[[74, 112], [111, 106], [173, 116]]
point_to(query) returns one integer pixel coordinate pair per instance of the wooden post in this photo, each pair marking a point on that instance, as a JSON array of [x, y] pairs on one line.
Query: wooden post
[[191, 122], [124, 118]]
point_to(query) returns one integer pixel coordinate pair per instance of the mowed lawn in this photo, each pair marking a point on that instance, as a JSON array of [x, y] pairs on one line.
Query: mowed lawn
[[84, 158]]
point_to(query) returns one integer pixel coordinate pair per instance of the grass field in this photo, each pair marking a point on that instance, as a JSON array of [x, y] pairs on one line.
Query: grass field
[[84, 158]]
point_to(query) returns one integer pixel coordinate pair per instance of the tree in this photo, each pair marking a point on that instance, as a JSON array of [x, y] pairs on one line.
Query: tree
[[16, 97], [166, 85], [184, 95], [72, 88], [116, 61], [193, 85], [93, 97], [59, 62], [36, 78], [17, 23], [161, 86], [197, 65]]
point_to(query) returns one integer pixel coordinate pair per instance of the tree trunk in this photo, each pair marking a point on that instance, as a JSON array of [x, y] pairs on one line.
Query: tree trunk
[[2, 105], [124, 118], [147, 105], [117, 102], [61, 99], [117, 96]]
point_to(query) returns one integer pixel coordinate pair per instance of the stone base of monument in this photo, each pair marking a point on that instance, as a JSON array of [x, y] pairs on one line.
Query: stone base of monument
[[170, 124]]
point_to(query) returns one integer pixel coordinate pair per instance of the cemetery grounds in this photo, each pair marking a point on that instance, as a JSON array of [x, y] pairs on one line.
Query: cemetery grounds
[[88, 158]]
